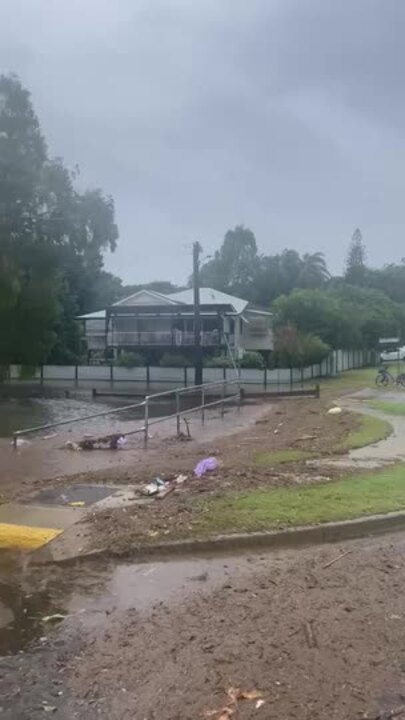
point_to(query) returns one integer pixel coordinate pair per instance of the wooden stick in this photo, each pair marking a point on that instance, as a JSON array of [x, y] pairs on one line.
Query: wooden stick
[[310, 635], [339, 557]]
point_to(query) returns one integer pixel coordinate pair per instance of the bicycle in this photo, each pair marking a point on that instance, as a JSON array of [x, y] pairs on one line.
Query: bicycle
[[385, 378]]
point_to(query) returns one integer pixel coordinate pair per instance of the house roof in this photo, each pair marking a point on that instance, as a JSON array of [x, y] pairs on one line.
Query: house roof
[[97, 315], [208, 296], [157, 298]]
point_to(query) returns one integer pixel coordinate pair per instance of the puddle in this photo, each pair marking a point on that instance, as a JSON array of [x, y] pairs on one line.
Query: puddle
[[142, 586], [68, 494], [21, 611], [88, 594]]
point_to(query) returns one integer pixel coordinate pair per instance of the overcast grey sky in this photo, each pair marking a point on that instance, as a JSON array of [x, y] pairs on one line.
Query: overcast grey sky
[[197, 115]]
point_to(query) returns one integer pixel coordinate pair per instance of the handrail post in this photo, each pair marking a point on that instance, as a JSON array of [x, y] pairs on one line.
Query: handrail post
[[146, 425], [15, 441], [178, 413], [202, 406]]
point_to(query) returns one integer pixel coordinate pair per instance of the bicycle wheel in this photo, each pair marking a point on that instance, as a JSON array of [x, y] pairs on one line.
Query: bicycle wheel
[[382, 380], [401, 379]]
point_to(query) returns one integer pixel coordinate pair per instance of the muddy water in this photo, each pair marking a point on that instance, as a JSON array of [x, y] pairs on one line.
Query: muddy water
[[23, 412], [87, 595], [21, 606]]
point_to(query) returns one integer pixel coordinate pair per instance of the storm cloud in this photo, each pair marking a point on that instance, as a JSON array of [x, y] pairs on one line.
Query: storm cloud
[[197, 115]]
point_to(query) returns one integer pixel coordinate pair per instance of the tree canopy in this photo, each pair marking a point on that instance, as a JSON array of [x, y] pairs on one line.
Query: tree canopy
[[52, 239]]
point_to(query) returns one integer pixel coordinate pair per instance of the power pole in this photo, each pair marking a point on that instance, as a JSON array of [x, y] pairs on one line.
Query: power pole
[[198, 365]]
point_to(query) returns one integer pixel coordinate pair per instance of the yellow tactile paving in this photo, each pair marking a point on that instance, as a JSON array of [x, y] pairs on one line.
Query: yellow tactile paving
[[23, 537]]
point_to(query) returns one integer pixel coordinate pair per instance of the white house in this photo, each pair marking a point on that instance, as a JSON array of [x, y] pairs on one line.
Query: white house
[[151, 320]]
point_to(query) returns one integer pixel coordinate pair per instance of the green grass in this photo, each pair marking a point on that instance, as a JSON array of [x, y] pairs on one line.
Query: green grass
[[272, 458], [390, 408], [350, 380], [370, 430], [379, 492]]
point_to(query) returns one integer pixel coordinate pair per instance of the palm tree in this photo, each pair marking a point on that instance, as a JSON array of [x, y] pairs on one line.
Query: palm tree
[[314, 272]]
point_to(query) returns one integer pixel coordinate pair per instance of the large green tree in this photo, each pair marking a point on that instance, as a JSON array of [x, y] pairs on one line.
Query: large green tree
[[347, 317], [356, 269], [52, 239], [234, 266]]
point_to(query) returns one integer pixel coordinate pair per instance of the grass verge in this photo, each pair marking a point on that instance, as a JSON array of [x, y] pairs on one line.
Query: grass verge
[[272, 458], [349, 381], [389, 408], [379, 492], [369, 431]]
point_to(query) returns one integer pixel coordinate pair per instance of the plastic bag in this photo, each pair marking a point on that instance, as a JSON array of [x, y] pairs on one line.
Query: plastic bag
[[207, 465]]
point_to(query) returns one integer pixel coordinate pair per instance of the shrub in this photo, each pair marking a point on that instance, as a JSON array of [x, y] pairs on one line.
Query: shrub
[[130, 359], [252, 360], [218, 361], [169, 359], [295, 349]]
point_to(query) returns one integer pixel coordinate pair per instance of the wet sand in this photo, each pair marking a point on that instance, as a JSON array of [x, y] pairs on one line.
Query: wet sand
[[318, 632]]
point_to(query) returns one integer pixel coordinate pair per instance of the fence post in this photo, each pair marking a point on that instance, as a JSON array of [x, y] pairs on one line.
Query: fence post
[[146, 425], [178, 413], [223, 400], [112, 374], [76, 375], [302, 378], [202, 406], [291, 378], [265, 378], [185, 376], [147, 377], [41, 375]]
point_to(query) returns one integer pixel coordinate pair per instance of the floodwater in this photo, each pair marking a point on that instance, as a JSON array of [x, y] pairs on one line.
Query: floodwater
[[17, 413], [46, 455], [84, 596]]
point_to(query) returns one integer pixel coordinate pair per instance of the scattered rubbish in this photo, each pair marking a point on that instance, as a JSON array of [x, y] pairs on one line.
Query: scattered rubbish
[[235, 695], [339, 557], [180, 479], [310, 635], [49, 437], [166, 490], [335, 411], [56, 617], [77, 503], [72, 445], [247, 694], [20, 442], [207, 465], [48, 708], [182, 437], [200, 578], [122, 442], [154, 487], [226, 713], [108, 442]]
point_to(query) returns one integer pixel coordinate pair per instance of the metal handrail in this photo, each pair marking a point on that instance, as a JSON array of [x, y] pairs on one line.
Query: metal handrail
[[177, 392], [49, 426]]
